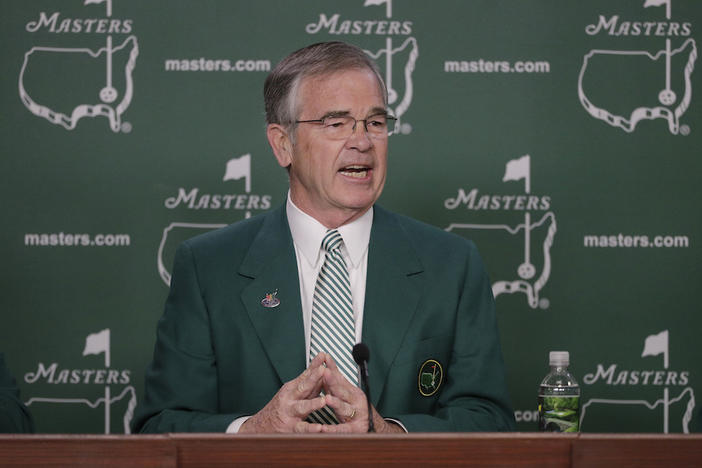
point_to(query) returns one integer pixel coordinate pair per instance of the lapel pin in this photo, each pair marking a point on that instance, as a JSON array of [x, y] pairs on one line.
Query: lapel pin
[[271, 300]]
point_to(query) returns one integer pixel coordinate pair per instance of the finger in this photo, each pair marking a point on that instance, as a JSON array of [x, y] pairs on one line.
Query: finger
[[346, 411], [318, 386], [319, 359], [309, 383], [336, 384], [339, 429], [305, 427], [303, 408], [329, 362]]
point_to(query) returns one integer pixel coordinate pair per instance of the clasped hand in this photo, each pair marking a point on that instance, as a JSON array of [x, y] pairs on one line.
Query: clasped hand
[[288, 409]]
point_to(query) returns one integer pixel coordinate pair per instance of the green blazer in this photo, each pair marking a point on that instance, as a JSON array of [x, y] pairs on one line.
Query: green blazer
[[14, 415], [220, 354]]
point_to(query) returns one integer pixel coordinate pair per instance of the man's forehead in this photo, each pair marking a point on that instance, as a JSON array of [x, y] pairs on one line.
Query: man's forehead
[[328, 90], [326, 72]]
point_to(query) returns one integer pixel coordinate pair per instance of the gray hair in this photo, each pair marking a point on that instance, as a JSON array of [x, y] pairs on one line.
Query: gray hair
[[282, 84]]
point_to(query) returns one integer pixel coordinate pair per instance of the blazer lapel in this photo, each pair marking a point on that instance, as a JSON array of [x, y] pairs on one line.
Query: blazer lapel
[[272, 265], [392, 294]]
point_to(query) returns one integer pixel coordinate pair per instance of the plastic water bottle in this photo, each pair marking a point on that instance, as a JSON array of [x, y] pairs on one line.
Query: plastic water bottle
[[559, 396]]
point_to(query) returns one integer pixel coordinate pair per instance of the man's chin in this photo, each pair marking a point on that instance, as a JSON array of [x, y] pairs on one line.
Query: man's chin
[[358, 203], [358, 195]]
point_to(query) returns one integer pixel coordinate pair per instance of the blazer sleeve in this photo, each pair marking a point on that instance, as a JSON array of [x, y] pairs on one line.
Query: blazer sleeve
[[475, 397], [14, 415], [181, 389]]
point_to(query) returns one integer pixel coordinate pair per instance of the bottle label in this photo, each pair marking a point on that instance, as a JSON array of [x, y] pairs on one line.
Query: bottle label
[[559, 413]]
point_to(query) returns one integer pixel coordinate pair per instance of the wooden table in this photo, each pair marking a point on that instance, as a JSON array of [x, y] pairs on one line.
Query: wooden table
[[445, 449]]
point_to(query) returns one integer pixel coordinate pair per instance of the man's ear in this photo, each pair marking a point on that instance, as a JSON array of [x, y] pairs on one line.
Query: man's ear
[[280, 142]]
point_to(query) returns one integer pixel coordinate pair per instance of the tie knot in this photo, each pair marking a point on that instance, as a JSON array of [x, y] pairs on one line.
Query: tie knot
[[332, 240]]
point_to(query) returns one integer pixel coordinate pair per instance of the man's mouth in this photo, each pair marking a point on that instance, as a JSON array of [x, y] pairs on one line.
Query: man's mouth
[[358, 172]]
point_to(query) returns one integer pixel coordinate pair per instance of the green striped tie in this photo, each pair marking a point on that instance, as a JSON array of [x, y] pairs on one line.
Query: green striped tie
[[333, 329]]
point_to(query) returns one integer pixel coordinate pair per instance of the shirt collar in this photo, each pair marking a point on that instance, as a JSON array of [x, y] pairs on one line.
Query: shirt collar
[[307, 234]]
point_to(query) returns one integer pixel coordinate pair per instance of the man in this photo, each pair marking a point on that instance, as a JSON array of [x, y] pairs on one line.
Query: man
[[14, 415], [261, 316]]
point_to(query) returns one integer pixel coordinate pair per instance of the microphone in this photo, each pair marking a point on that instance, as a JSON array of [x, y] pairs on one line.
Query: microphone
[[361, 354]]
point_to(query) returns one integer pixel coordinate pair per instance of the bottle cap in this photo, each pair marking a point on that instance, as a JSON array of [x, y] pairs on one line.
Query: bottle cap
[[559, 358]]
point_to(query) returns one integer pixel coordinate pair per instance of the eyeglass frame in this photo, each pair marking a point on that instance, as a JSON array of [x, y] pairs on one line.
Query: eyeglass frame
[[355, 121]]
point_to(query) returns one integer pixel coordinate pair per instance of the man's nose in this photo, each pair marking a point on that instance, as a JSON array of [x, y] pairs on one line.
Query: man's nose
[[359, 138]]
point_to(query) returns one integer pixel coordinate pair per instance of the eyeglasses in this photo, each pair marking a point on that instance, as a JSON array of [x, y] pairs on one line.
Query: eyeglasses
[[342, 127]]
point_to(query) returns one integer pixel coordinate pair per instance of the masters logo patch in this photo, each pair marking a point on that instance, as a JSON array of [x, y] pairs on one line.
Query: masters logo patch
[[431, 375]]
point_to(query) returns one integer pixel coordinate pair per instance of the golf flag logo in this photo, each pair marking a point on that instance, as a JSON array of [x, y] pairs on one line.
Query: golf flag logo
[[97, 343], [518, 169], [655, 345], [238, 168]]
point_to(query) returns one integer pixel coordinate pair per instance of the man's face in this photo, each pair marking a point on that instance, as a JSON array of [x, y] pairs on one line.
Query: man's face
[[336, 181]]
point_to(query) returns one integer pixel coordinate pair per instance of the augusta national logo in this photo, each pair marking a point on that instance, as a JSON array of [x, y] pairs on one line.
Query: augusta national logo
[[676, 394], [655, 82], [194, 199], [106, 377], [106, 86], [529, 238], [397, 54]]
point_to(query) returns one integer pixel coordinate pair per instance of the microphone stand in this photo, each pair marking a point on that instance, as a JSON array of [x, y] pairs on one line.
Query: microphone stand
[[364, 383]]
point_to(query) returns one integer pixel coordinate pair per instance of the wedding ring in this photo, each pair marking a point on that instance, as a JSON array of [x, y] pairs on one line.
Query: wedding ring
[[353, 413]]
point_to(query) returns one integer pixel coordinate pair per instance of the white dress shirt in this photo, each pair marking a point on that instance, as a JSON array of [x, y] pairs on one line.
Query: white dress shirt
[[307, 234]]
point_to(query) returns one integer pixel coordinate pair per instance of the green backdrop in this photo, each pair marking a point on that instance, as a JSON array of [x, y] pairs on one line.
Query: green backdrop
[[563, 137]]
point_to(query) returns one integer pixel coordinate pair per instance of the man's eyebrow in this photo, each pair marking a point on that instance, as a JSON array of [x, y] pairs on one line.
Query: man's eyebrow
[[336, 113], [378, 110], [345, 113]]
